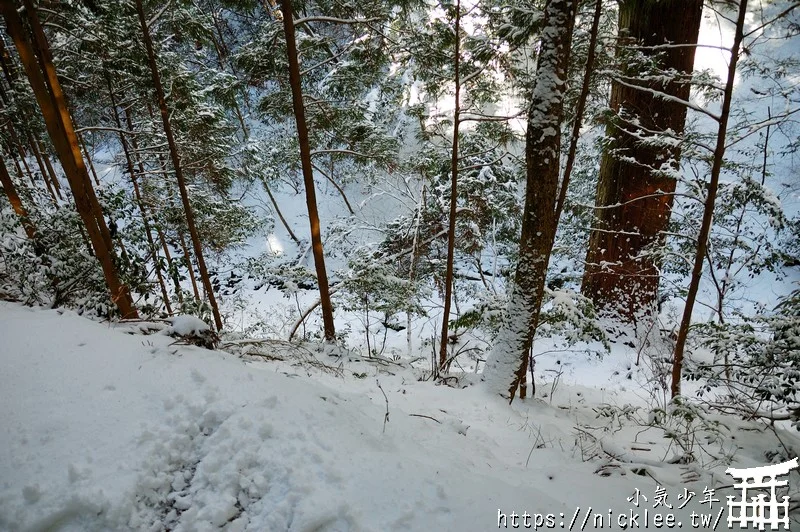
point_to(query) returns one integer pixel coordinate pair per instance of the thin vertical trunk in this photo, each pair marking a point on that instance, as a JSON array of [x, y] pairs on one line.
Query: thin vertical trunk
[[507, 364], [636, 183], [171, 267], [42, 168], [308, 175], [89, 160], [36, 60], [708, 211], [16, 203], [138, 197], [451, 227], [173, 150], [580, 108], [188, 257], [50, 170]]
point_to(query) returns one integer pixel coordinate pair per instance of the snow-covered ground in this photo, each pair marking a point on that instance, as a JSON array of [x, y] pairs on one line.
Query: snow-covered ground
[[106, 428]]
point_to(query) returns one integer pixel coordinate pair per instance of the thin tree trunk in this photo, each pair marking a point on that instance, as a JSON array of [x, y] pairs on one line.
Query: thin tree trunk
[[50, 170], [188, 257], [580, 108], [451, 227], [636, 183], [16, 203], [507, 364], [279, 213], [53, 105], [708, 211], [173, 149], [171, 267], [89, 159], [308, 175], [42, 167], [138, 197]]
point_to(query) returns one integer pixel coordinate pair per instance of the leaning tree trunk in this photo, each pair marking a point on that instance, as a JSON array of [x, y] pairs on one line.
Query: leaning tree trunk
[[16, 204], [637, 178], [708, 210], [176, 163], [507, 364], [308, 175], [34, 53]]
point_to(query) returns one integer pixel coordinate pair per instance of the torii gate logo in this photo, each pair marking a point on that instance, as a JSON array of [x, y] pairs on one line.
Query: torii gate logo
[[757, 509]]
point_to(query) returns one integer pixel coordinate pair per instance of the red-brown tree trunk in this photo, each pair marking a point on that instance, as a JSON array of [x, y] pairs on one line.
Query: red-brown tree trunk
[[308, 175], [35, 56], [636, 182], [708, 210], [16, 203], [176, 163]]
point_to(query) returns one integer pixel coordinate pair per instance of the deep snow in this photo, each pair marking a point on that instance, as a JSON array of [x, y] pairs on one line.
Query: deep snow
[[110, 429]]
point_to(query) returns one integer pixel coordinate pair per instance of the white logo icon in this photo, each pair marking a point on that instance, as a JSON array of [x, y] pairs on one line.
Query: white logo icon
[[759, 510]]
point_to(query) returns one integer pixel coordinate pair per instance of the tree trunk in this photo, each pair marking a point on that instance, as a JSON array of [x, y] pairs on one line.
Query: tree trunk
[[176, 163], [50, 170], [171, 267], [52, 103], [308, 175], [708, 211], [451, 227], [507, 364], [579, 109], [16, 203], [138, 196], [42, 168], [636, 181]]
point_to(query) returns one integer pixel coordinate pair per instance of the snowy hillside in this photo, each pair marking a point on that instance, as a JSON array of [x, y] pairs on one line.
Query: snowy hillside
[[109, 429]]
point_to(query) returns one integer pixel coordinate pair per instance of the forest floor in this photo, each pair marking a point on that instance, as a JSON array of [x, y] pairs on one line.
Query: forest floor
[[106, 427]]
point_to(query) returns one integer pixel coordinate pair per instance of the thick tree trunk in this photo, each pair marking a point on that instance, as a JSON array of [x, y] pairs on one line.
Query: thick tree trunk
[[637, 179], [708, 211], [308, 175], [507, 364], [176, 163], [451, 226], [38, 65]]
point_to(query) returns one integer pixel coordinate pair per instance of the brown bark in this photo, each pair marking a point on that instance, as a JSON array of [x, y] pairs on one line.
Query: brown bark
[[579, 109], [308, 175], [50, 170], [176, 163], [507, 366], [708, 211], [634, 199], [37, 62], [451, 227], [188, 258], [171, 268], [42, 168], [16, 203], [138, 197]]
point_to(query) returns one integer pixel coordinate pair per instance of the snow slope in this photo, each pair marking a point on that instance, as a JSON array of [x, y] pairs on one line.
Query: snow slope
[[105, 430]]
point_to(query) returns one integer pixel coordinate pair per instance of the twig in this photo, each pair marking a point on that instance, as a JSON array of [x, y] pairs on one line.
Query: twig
[[426, 417], [385, 417]]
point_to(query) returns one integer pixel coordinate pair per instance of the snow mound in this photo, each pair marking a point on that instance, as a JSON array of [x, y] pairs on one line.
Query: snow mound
[[185, 325]]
